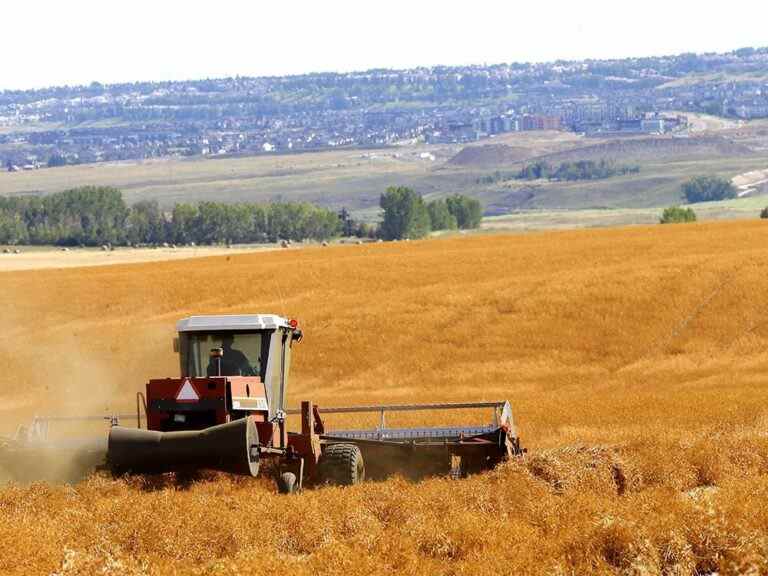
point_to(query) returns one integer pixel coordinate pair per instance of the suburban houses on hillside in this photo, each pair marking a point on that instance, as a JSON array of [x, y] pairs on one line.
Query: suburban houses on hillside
[[375, 108]]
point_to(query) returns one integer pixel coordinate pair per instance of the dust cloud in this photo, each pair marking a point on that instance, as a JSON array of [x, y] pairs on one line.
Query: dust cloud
[[59, 371]]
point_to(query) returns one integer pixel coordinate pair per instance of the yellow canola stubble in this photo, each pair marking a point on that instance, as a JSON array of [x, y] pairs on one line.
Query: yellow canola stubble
[[636, 361]]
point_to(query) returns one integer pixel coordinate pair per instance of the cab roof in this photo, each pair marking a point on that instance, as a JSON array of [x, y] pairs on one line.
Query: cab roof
[[232, 322]]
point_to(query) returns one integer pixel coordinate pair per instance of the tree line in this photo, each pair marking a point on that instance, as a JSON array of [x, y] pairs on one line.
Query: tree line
[[568, 171], [708, 189], [96, 216], [93, 216], [407, 215]]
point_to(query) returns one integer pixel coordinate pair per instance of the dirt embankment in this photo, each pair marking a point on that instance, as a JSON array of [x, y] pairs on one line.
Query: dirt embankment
[[490, 155], [660, 147], [652, 148]]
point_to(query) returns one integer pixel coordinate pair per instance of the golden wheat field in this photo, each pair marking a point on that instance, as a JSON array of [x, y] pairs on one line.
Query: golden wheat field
[[636, 361]]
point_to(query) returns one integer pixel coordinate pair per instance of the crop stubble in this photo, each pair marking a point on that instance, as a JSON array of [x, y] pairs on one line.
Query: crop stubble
[[635, 360]]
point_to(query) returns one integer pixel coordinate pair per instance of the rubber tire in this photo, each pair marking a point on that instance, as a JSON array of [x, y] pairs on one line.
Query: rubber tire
[[341, 465], [286, 483]]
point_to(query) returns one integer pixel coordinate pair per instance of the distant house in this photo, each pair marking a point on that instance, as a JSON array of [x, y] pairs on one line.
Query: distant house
[[750, 111], [538, 122], [652, 126]]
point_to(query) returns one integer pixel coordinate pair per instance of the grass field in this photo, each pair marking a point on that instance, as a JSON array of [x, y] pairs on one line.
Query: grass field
[[635, 360], [355, 178], [352, 177], [740, 208]]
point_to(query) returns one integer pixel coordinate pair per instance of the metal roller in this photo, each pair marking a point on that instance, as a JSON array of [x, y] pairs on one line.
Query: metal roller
[[232, 447]]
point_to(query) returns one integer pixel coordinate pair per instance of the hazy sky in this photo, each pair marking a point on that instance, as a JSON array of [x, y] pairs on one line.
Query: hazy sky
[[51, 42]]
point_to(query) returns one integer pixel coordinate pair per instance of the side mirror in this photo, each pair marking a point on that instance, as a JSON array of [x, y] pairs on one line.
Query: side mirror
[[176, 345], [297, 335]]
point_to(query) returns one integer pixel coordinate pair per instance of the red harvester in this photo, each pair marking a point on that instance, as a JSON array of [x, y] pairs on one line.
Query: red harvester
[[227, 412]]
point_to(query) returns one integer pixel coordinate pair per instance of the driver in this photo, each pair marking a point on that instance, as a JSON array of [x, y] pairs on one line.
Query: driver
[[233, 362]]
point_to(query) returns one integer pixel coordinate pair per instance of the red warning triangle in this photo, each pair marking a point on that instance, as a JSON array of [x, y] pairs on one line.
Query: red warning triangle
[[187, 393]]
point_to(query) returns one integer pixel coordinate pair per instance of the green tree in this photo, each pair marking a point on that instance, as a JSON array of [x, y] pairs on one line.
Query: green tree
[[440, 216], [213, 223], [259, 216], [708, 189], [321, 224], [285, 221], [539, 169], [677, 214], [185, 224], [764, 213], [467, 211], [146, 223], [90, 215], [12, 228], [405, 214], [56, 160], [238, 223], [347, 223]]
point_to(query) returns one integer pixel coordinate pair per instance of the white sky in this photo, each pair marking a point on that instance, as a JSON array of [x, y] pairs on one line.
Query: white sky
[[53, 42]]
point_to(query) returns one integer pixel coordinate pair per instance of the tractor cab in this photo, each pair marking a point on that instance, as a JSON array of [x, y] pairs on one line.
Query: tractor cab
[[247, 345], [231, 367]]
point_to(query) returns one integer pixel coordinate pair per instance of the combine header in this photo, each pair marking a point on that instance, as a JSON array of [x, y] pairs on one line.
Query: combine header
[[227, 412]]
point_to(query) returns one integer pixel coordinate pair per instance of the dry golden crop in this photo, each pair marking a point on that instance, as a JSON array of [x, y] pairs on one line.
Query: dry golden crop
[[635, 360]]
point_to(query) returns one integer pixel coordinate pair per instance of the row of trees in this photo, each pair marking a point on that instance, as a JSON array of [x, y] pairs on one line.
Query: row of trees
[[92, 216], [678, 214], [570, 171], [708, 189], [580, 170], [407, 215]]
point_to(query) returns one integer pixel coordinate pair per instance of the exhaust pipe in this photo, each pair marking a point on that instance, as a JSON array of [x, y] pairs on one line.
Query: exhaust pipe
[[232, 447]]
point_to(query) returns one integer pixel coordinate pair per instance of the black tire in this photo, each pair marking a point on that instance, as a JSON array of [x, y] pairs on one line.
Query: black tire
[[286, 483], [341, 465]]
